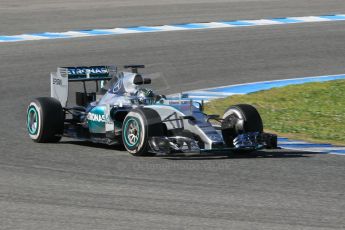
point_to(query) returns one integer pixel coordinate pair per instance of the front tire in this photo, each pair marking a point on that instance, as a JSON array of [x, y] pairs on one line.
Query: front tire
[[139, 125], [45, 120], [239, 119]]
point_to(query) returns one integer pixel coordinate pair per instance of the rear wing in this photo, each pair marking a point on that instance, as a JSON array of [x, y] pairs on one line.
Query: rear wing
[[89, 73], [59, 80]]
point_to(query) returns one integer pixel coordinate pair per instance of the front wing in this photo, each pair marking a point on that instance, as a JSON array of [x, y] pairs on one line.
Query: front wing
[[247, 142]]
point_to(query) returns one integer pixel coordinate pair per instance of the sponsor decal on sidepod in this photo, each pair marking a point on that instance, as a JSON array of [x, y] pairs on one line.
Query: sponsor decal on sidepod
[[96, 117]]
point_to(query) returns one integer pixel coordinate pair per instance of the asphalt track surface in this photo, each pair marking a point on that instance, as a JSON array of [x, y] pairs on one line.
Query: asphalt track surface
[[72, 185]]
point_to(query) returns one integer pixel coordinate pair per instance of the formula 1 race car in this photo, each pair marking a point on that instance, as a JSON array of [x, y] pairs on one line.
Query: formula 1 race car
[[122, 111]]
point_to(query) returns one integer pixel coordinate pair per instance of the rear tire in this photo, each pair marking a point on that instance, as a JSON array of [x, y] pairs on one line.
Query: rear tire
[[239, 119], [45, 120], [138, 126]]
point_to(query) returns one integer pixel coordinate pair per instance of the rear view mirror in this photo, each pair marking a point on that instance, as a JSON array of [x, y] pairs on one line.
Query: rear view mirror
[[147, 80], [138, 80]]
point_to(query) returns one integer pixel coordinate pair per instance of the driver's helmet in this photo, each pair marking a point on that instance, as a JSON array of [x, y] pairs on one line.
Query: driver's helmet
[[145, 96]]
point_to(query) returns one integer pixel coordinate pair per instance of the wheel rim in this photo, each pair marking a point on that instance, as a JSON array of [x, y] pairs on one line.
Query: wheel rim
[[236, 121], [32, 120], [132, 132]]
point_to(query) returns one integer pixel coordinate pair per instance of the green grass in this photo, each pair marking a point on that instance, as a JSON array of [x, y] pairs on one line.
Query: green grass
[[312, 111]]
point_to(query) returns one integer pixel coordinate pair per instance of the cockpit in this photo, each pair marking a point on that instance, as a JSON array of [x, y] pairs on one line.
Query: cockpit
[[126, 88]]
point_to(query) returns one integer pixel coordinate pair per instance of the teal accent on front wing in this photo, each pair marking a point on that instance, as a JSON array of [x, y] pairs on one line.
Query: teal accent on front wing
[[96, 119]]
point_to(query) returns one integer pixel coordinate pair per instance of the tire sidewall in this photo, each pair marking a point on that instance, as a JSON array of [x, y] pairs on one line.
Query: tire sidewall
[[141, 145], [50, 125], [249, 120], [38, 110], [233, 110], [236, 111]]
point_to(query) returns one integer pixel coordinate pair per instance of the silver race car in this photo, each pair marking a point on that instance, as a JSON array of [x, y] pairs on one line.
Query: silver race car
[[121, 111]]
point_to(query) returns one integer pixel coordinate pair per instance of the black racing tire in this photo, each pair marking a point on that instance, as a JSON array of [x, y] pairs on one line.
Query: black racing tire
[[45, 120], [138, 126], [239, 119]]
